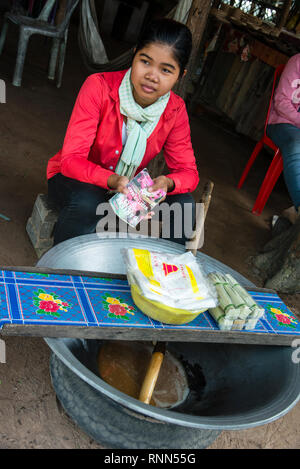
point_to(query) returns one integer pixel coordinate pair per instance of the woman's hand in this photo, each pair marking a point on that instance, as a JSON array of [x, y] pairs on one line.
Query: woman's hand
[[162, 182], [118, 183]]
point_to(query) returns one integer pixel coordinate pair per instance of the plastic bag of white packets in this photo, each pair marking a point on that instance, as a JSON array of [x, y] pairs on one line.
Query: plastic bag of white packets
[[177, 281]]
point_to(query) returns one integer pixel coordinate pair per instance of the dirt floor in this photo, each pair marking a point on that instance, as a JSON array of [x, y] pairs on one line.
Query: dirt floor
[[32, 126]]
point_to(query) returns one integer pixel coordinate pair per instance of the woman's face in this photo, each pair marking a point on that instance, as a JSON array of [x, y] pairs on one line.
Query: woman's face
[[154, 72]]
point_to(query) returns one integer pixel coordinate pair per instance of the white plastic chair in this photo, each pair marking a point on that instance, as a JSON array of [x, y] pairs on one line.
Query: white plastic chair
[[40, 25]]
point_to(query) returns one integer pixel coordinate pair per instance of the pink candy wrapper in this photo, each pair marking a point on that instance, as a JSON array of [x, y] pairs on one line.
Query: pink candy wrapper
[[135, 205]]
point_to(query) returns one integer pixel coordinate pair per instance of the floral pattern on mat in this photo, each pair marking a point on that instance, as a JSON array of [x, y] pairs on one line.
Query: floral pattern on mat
[[49, 303], [117, 308]]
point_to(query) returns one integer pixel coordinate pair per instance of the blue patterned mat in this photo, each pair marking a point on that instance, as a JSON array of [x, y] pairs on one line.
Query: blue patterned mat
[[47, 298]]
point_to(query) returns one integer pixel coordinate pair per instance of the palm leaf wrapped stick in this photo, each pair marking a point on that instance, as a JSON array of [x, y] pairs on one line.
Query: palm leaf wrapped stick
[[238, 302], [236, 299], [223, 322], [256, 310], [250, 323], [225, 301], [238, 325], [228, 299], [217, 277]]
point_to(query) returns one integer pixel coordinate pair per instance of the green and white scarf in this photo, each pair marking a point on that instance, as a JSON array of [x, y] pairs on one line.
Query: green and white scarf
[[140, 124]]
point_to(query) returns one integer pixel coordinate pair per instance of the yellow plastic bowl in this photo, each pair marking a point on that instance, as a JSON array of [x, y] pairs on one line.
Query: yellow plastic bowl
[[160, 312]]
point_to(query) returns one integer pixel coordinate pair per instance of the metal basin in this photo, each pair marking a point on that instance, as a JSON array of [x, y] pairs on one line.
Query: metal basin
[[232, 386]]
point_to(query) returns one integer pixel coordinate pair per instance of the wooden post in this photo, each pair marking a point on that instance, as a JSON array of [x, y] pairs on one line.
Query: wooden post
[[284, 14], [197, 20]]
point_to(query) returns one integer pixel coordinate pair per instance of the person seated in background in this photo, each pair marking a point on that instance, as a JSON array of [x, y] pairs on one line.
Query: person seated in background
[[284, 130]]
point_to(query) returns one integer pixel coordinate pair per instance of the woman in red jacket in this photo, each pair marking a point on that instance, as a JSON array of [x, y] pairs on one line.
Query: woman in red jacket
[[127, 116]]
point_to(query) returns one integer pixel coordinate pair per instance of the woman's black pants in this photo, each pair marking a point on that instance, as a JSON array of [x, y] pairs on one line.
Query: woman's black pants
[[77, 204]]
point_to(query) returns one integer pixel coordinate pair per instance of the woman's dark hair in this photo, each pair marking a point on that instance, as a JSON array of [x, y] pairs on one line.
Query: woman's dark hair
[[171, 33]]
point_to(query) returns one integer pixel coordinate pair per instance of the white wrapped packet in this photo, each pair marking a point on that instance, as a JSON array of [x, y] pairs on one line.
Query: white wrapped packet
[[173, 280]]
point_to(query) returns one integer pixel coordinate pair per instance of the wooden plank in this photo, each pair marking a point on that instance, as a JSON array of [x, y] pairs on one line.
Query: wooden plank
[[267, 54], [183, 334], [196, 22], [47, 270], [282, 18], [88, 273], [161, 335]]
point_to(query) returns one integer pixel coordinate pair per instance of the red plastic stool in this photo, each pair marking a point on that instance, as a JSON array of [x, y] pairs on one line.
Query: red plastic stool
[[276, 166]]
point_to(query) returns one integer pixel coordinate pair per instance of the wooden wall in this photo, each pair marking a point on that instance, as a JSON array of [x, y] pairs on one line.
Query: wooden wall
[[239, 89]]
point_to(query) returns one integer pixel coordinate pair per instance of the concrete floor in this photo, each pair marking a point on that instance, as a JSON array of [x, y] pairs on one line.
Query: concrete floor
[[32, 126]]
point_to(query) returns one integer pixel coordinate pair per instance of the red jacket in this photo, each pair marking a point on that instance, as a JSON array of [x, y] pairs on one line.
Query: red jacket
[[93, 141]]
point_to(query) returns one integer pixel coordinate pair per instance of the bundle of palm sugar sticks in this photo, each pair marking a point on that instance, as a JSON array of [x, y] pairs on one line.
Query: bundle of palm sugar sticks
[[237, 309]]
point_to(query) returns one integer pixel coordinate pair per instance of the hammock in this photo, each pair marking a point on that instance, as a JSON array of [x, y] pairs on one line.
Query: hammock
[[91, 45]]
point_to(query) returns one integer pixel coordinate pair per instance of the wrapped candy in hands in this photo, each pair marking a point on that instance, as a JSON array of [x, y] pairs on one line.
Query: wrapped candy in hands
[[138, 202]]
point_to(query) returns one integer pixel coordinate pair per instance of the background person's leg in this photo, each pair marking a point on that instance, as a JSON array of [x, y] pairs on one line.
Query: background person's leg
[[287, 138]]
